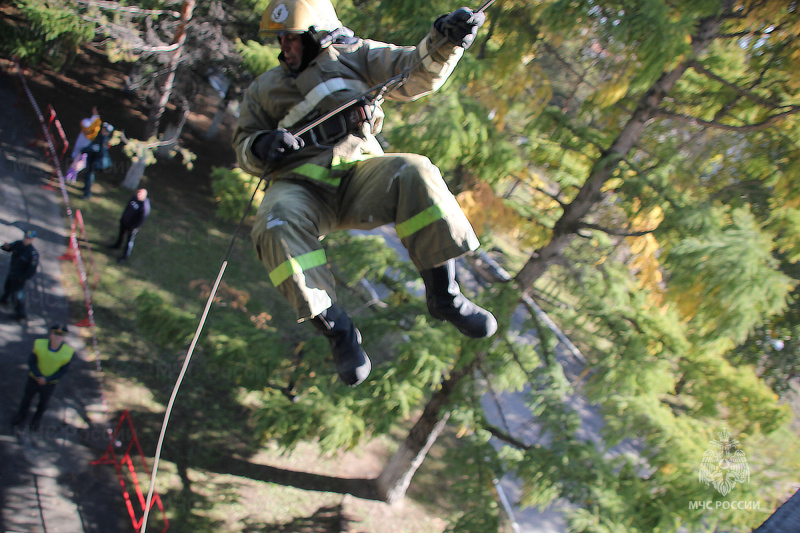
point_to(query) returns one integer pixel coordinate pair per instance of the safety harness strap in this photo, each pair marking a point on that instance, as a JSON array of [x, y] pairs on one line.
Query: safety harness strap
[[315, 96]]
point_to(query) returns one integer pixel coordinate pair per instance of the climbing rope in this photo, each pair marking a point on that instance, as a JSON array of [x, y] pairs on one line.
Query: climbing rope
[[379, 90]]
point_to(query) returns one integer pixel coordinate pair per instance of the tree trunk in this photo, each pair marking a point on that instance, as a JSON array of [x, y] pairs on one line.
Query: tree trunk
[[134, 174], [590, 193], [219, 116], [165, 91], [393, 481]]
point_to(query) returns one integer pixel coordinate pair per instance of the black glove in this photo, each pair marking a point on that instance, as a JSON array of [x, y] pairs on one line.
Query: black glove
[[272, 147], [461, 26]]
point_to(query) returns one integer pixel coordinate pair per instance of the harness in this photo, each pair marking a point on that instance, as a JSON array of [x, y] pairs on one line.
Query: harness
[[336, 127]]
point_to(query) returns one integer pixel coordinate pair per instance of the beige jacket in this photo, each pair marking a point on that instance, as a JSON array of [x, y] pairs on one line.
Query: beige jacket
[[280, 98]]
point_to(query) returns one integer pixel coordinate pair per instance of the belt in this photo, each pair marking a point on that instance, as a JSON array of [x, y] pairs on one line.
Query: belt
[[337, 126]]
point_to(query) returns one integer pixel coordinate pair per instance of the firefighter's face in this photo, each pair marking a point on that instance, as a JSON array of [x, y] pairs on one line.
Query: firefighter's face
[[292, 48]]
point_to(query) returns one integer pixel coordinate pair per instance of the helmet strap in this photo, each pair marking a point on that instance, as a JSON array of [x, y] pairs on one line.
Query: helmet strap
[[311, 49]]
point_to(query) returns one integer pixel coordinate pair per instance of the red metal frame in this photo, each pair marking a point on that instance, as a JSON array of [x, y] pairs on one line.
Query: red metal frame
[[70, 255], [49, 123], [111, 457]]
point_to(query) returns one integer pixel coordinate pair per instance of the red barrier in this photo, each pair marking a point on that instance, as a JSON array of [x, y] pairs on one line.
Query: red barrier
[[75, 249], [70, 255], [53, 150], [125, 460]]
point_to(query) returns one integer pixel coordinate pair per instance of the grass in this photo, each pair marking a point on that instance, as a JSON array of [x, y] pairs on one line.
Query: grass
[[177, 252]]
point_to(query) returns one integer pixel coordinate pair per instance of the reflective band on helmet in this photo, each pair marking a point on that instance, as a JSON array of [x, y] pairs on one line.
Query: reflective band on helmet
[[420, 220], [296, 265]]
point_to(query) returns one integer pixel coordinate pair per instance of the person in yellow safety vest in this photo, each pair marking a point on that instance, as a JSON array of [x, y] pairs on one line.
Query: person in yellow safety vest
[[47, 363], [336, 176]]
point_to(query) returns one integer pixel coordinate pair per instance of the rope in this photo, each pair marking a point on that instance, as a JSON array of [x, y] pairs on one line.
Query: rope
[[383, 87], [189, 354]]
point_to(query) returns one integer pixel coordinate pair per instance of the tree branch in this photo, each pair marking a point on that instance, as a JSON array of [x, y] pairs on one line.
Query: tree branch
[[505, 437], [701, 69], [616, 233], [553, 196], [113, 6], [663, 113]]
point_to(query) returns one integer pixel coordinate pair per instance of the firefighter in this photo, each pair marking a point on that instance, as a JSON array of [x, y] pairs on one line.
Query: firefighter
[[336, 176]]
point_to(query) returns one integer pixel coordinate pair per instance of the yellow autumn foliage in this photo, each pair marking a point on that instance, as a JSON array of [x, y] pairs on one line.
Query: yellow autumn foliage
[[611, 93], [644, 250], [489, 214]]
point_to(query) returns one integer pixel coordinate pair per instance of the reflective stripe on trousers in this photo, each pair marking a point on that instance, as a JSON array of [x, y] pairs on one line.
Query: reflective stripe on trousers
[[404, 189]]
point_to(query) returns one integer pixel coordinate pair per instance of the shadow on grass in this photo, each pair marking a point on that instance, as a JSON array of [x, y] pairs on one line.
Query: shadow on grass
[[208, 430], [327, 519], [359, 487]]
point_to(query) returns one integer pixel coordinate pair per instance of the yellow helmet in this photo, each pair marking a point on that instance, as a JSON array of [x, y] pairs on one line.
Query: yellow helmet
[[298, 16]]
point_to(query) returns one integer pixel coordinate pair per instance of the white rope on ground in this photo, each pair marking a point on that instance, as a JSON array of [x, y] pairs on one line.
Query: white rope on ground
[[74, 244], [189, 353], [177, 386]]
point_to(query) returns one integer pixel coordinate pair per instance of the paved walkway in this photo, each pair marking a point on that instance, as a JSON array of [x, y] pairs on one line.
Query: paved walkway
[[46, 481]]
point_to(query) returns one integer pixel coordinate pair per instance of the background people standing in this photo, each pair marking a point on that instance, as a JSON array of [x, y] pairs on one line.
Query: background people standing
[[136, 212], [24, 262], [90, 127], [97, 157], [48, 362]]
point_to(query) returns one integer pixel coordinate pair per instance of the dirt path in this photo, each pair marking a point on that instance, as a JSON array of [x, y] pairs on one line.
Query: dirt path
[[46, 481]]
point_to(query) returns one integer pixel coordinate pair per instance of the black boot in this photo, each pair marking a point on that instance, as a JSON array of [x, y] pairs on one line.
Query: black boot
[[351, 360], [445, 302]]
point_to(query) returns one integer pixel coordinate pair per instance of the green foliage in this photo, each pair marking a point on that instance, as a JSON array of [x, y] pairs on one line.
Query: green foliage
[[474, 472], [233, 189], [257, 58], [667, 365], [359, 257], [656, 387], [724, 274], [773, 349], [167, 325], [52, 31], [455, 133]]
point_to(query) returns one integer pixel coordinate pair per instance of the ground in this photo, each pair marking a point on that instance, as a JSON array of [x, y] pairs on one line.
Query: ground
[[228, 502]]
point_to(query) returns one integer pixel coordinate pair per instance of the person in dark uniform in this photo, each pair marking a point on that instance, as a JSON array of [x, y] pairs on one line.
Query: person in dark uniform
[[134, 215], [24, 262], [48, 362]]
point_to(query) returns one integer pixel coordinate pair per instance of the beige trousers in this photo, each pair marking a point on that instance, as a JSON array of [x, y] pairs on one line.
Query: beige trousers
[[404, 189]]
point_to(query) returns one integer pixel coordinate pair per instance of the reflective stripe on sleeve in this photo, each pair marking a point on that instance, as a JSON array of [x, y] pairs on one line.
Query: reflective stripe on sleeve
[[297, 265]]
